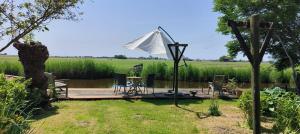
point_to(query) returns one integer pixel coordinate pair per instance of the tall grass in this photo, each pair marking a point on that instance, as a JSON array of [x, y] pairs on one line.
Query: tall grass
[[85, 68], [79, 69], [14, 118], [203, 74]]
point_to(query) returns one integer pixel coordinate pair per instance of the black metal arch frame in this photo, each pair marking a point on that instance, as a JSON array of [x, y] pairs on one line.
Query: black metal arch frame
[[177, 55]]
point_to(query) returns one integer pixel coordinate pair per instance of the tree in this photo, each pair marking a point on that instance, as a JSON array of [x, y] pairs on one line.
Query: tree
[[279, 12], [120, 56], [225, 58], [255, 55], [284, 14], [286, 51], [19, 19]]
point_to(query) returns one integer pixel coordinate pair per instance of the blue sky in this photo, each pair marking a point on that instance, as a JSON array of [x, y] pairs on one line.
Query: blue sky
[[109, 24]]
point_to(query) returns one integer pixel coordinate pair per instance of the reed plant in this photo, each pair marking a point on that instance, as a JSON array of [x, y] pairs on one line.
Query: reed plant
[[80, 69], [14, 118], [92, 68]]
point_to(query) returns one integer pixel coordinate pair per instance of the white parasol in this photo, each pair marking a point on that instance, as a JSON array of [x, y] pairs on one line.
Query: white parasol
[[155, 43]]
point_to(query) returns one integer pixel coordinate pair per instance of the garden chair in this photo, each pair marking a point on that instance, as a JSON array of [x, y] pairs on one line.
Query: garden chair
[[115, 77], [149, 83], [217, 84], [137, 69], [121, 82], [62, 86]]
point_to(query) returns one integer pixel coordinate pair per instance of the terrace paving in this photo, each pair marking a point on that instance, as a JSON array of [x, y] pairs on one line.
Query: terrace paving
[[160, 93]]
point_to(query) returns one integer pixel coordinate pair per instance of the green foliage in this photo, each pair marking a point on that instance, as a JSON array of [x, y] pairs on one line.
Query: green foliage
[[284, 107], [13, 105], [79, 69], [233, 48], [245, 103], [231, 84], [225, 58], [18, 19], [28, 38], [213, 109], [285, 16], [53, 93], [159, 69], [277, 103], [287, 117], [120, 57], [269, 100], [88, 68]]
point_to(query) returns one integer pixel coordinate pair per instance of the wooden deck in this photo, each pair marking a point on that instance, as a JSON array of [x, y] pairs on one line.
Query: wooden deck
[[160, 93]]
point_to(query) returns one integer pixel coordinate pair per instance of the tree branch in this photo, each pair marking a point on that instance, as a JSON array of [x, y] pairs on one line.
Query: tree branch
[[241, 40], [50, 12], [266, 42], [29, 28]]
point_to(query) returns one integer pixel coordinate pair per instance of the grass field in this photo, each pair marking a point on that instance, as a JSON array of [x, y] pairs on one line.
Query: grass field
[[92, 68], [141, 116]]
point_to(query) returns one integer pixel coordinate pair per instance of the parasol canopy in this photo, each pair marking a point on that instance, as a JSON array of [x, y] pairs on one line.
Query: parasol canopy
[[154, 42]]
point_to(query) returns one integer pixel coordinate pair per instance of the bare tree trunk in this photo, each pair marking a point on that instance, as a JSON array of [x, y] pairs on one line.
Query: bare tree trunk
[[33, 57]]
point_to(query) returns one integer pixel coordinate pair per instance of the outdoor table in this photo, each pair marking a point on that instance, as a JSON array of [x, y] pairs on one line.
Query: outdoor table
[[135, 84]]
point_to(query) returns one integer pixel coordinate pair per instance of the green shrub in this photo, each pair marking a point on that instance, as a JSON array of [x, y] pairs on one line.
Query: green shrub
[[231, 84], [13, 118], [287, 117], [269, 99], [245, 103], [213, 109], [285, 108], [277, 103]]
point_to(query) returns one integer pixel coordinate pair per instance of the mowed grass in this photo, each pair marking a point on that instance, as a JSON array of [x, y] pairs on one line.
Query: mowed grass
[[198, 71], [140, 116]]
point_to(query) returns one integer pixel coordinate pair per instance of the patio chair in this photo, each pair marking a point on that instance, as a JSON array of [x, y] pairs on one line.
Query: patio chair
[[115, 77], [61, 85], [137, 69], [149, 83], [121, 82], [217, 84]]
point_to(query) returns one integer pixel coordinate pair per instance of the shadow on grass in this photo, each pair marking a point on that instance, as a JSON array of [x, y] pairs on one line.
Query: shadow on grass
[[45, 113], [268, 130], [200, 115], [226, 98], [171, 101]]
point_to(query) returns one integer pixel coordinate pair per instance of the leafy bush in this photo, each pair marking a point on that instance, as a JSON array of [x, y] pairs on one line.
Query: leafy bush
[[287, 118], [277, 103], [231, 84], [285, 108], [213, 109], [13, 118], [269, 99], [245, 103]]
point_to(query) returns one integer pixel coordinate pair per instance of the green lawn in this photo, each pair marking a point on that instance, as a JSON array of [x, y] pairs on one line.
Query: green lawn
[[141, 116]]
